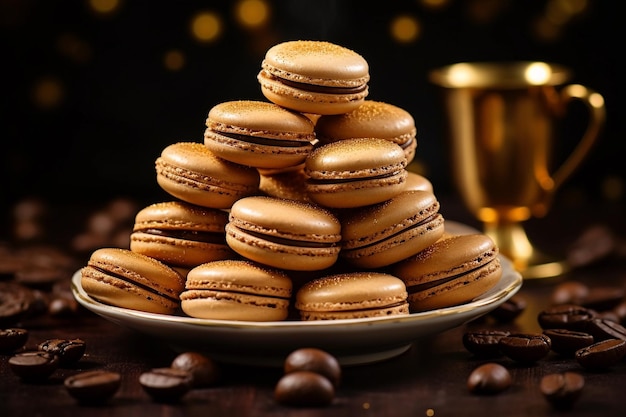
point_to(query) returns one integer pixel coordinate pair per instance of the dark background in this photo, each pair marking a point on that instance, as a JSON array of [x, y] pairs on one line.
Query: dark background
[[116, 105]]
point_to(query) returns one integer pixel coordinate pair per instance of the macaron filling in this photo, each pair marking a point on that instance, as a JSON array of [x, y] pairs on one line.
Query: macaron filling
[[314, 88], [152, 290], [287, 241], [192, 235], [265, 141]]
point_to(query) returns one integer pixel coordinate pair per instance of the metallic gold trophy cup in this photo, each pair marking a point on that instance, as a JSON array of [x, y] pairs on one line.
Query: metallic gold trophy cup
[[502, 120]]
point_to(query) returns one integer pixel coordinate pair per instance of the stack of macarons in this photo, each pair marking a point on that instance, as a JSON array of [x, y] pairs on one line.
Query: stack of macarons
[[301, 206]]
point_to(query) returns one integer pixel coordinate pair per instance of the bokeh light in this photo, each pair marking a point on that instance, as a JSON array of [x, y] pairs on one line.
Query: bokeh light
[[174, 60], [47, 93], [104, 7], [252, 14], [206, 26], [405, 29], [74, 48]]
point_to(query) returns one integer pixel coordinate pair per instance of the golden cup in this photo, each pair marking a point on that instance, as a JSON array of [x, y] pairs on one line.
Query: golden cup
[[503, 120]]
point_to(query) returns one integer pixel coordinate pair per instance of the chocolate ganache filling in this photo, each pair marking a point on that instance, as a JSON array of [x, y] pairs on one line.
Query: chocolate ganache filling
[[321, 88], [291, 242], [265, 141], [196, 236], [135, 283]]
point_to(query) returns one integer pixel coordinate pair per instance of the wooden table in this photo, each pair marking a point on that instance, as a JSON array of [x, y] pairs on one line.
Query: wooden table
[[428, 380]]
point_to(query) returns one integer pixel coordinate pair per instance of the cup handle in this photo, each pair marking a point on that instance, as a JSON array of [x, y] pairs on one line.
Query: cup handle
[[597, 115]]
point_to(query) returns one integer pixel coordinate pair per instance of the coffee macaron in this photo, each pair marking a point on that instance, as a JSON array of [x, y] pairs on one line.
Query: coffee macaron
[[382, 234], [181, 234], [236, 290], [190, 172], [352, 295], [355, 172], [123, 278], [417, 182], [454, 270], [258, 134], [372, 119], [315, 77], [282, 233]]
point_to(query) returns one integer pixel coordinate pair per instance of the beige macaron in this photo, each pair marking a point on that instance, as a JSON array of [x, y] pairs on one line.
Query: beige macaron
[[190, 172], [123, 278], [372, 119], [355, 172], [258, 134], [352, 295], [236, 290], [181, 234], [382, 234], [454, 270], [315, 77]]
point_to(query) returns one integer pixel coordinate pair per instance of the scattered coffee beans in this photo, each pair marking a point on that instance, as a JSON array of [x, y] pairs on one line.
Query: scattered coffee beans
[[525, 347], [314, 360], [566, 316], [12, 339], [33, 365], [15, 303], [166, 384], [602, 329], [304, 388], [203, 369], [490, 378], [68, 351], [601, 355], [570, 292], [93, 387], [562, 390]]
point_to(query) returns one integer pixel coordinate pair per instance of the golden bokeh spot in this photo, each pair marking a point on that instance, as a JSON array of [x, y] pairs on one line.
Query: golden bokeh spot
[[206, 26], [366, 406], [434, 4], [174, 60], [252, 13], [104, 6], [405, 29], [430, 412], [613, 188], [47, 93]]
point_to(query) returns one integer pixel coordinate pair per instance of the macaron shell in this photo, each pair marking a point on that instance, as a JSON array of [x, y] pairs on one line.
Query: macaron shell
[[350, 292], [173, 233], [191, 172], [417, 182], [266, 134], [218, 305], [287, 185], [401, 309], [127, 279]]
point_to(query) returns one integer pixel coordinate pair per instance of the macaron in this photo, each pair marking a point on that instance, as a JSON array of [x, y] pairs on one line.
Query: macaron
[[258, 134], [415, 181], [372, 119], [454, 270], [385, 233], [236, 290], [289, 184], [352, 295], [287, 234], [123, 278], [355, 172], [314, 77], [190, 172], [181, 234]]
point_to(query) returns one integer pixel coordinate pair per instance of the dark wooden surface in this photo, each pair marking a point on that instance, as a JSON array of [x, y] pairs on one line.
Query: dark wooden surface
[[428, 380]]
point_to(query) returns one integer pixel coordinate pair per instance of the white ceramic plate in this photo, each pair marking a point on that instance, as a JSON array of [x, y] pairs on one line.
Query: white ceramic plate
[[352, 341]]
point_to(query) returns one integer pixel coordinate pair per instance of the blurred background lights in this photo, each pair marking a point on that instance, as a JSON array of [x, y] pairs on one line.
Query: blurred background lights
[[252, 14], [206, 26], [434, 4], [74, 48], [405, 29], [47, 93], [104, 6], [173, 60], [537, 73]]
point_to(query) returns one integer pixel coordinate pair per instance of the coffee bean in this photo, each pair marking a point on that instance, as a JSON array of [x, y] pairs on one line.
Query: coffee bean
[[484, 343], [570, 292], [562, 390], [93, 387], [509, 310], [566, 316], [603, 298], [602, 329], [203, 369], [566, 342], [525, 347], [166, 384], [12, 339], [33, 365], [601, 355], [489, 378], [304, 388], [15, 303], [68, 351], [314, 360]]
